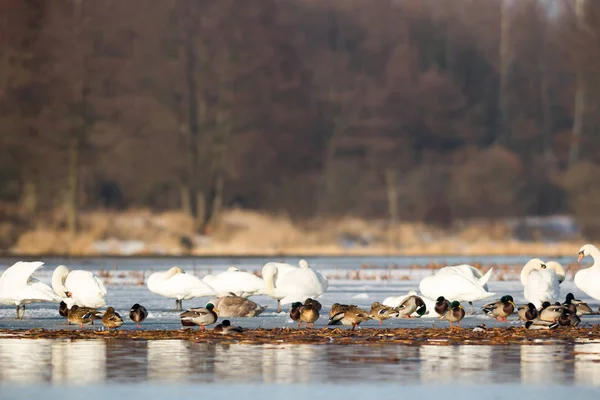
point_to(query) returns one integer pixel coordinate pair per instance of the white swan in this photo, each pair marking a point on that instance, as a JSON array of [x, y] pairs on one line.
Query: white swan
[[18, 288], [429, 303], [176, 284], [240, 283], [588, 279], [288, 284], [78, 287], [541, 281], [459, 282]]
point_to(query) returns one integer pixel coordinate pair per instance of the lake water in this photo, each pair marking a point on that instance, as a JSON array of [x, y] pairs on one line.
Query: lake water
[[154, 369]]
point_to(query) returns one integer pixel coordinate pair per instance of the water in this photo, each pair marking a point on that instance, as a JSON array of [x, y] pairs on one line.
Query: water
[[157, 369]]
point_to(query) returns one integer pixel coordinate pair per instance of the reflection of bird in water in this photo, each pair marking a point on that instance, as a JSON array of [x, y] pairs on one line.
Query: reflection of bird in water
[[199, 316], [138, 314]]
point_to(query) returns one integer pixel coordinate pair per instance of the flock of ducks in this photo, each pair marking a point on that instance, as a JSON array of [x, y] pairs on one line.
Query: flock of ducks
[[81, 293]]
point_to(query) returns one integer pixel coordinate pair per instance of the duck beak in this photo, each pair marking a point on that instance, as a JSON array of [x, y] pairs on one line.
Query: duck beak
[[460, 306], [580, 256], [215, 310], [512, 302]]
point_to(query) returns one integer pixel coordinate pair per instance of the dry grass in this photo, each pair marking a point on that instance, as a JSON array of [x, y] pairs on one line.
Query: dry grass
[[253, 233]]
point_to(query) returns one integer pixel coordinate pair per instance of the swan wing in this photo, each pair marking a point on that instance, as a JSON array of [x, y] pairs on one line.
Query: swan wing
[[86, 288], [20, 272], [454, 287], [234, 281], [186, 286], [542, 285]]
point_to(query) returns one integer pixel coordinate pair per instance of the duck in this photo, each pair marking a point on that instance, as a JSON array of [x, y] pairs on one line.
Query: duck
[[581, 307], [588, 279], [441, 306], [200, 316], [381, 312], [315, 303], [288, 284], [79, 287], [411, 305], [460, 282], [480, 328], [19, 288], [568, 318], [527, 312], [536, 324], [225, 328], [337, 308], [541, 281], [138, 314], [549, 312], [111, 319], [176, 283], [500, 309], [240, 283], [63, 309], [83, 315], [394, 302], [455, 313], [351, 316], [237, 306]]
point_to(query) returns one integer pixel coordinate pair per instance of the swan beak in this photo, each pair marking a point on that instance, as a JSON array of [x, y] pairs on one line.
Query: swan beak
[[580, 256], [69, 294], [543, 266]]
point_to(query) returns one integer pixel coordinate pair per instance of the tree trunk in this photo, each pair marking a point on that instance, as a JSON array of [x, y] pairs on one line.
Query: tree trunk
[[73, 185], [504, 133], [580, 91], [29, 198], [193, 126], [186, 200]]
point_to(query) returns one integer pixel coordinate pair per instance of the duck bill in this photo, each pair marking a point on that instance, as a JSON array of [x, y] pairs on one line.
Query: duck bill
[[513, 304], [579, 257]]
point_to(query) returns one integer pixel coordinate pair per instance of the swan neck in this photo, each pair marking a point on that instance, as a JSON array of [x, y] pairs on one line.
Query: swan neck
[[268, 278], [595, 254], [526, 271], [58, 282]]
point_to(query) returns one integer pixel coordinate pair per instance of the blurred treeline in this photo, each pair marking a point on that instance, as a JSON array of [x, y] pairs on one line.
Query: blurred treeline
[[425, 110]]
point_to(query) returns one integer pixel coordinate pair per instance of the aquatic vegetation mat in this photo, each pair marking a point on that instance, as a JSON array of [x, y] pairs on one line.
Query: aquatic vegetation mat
[[364, 336]]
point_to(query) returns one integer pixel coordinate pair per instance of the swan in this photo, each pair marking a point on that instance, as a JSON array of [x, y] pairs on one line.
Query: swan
[[394, 302], [240, 283], [78, 287], [175, 283], [18, 288], [588, 279], [288, 284], [460, 282], [541, 281]]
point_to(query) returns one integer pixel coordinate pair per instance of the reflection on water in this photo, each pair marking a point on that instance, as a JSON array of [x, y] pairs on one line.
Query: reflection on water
[[79, 362]]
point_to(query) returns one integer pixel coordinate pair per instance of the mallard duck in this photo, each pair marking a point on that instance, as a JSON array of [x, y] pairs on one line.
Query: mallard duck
[[568, 318], [111, 319], [480, 328], [549, 313], [455, 313], [581, 307], [295, 313], [540, 324], [500, 309], [236, 306], [138, 314], [337, 308], [527, 312], [83, 315], [309, 313], [200, 316], [410, 305], [352, 316], [225, 328], [314, 303], [63, 309], [380, 312], [441, 306]]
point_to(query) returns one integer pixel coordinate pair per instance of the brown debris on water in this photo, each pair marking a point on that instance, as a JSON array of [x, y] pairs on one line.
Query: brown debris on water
[[364, 336]]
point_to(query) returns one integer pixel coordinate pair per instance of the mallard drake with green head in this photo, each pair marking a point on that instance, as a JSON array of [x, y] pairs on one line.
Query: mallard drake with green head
[[500, 309], [527, 312], [225, 328], [581, 307], [199, 316], [111, 319], [549, 313], [352, 316], [410, 305], [138, 314], [441, 306], [381, 312], [455, 313], [83, 315]]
